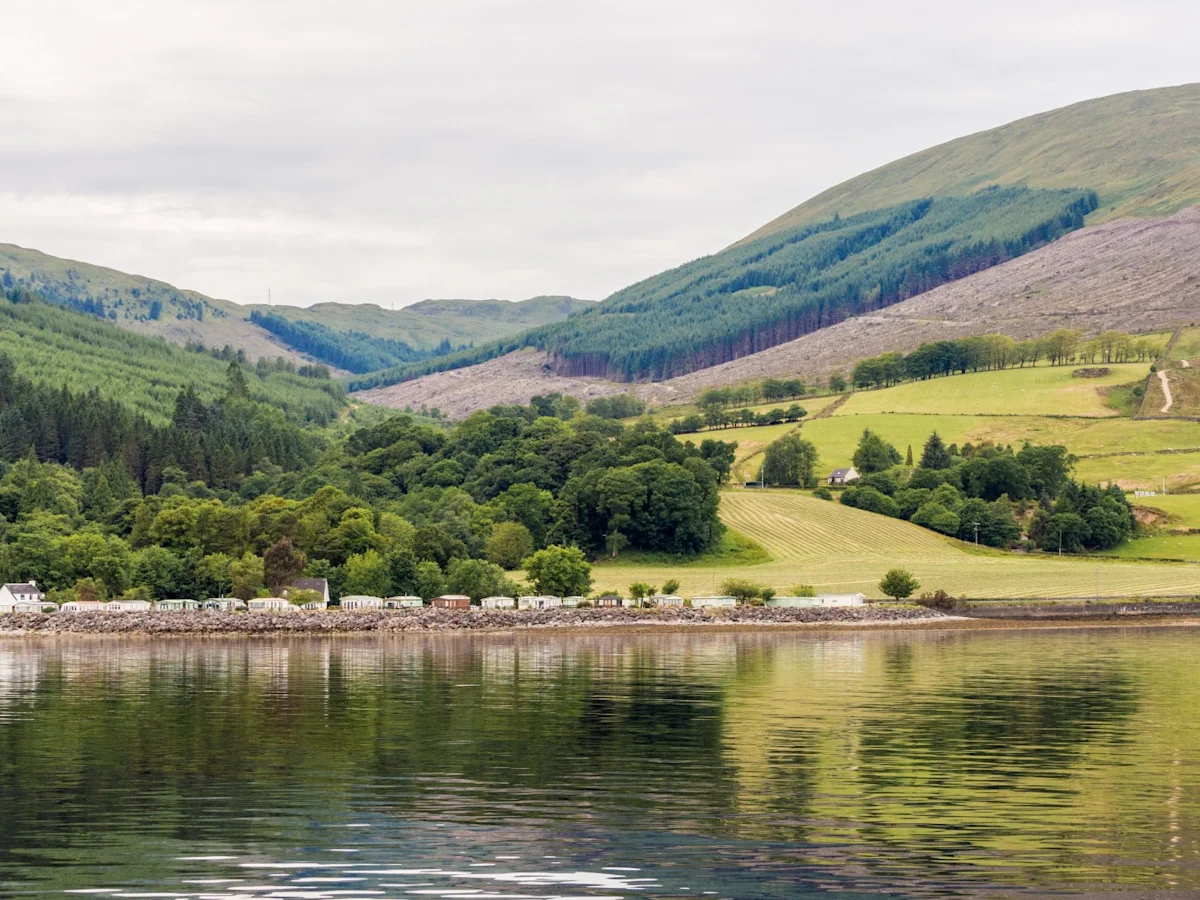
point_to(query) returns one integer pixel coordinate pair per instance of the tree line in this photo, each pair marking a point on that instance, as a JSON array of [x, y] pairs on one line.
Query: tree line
[[997, 351]]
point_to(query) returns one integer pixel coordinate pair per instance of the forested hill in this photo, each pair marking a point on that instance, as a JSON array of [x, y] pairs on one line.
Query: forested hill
[[1140, 152], [756, 295]]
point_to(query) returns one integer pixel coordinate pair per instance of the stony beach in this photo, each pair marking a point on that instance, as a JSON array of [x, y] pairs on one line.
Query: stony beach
[[335, 621]]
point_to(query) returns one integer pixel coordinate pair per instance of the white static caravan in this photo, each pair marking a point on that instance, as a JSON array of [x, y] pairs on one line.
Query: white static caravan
[[711, 602], [127, 606], [498, 603], [403, 603], [821, 600], [77, 606], [573, 602], [270, 604], [178, 605], [361, 601], [539, 602], [666, 600], [224, 604]]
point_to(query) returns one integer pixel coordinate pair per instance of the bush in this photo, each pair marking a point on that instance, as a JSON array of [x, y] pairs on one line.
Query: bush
[[803, 590], [938, 600], [823, 493]]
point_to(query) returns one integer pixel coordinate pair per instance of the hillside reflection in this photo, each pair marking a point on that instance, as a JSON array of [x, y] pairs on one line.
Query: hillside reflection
[[765, 764]]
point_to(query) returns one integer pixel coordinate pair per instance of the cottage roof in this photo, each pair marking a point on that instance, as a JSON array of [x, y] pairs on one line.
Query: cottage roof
[[320, 585], [23, 588], [841, 473]]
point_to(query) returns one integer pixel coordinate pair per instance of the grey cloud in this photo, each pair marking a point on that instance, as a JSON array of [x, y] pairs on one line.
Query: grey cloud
[[390, 151]]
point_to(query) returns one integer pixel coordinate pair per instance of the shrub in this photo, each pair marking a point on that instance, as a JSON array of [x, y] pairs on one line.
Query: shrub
[[803, 590], [743, 589], [938, 600], [823, 493]]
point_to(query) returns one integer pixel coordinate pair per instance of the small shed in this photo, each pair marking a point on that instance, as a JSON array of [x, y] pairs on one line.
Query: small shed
[[224, 604], [127, 606], [361, 601], [76, 606], [498, 603], [714, 601], [539, 602], [406, 602], [270, 604], [451, 601], [179, 605], [667, 600], [843, 476]]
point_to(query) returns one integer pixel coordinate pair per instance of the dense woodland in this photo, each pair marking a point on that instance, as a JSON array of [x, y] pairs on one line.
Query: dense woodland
[[764, 292], [350, 350], [232, 498], [990, 494]]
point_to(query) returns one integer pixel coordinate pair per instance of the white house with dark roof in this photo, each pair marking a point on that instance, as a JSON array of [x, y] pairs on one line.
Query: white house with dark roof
[[843, 476], [22, 597], [317, 585]]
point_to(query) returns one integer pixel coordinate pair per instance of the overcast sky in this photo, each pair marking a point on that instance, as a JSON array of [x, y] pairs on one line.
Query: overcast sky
[[389, 150]]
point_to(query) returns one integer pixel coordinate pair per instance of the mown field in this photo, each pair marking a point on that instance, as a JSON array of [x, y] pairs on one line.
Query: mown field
[[1037, 390], [839, 549]]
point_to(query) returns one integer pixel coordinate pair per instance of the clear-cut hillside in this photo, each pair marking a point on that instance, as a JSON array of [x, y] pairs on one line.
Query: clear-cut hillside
[[1135, 274]]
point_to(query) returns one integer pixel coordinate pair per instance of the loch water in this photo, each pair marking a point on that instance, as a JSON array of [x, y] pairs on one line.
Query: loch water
[[1019, 763]]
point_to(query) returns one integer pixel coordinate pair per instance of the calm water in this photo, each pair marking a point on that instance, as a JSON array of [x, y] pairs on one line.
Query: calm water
[[729, 766]]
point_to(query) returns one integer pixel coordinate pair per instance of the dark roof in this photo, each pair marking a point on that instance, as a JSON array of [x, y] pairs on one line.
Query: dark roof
[[837, 472], [309, 584], [24, 588]]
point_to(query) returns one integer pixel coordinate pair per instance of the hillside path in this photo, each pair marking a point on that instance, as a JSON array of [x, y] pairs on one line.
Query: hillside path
[[1162, 376]]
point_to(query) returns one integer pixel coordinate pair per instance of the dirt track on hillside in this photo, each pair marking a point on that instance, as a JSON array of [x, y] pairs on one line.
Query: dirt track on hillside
[[1134, 275]]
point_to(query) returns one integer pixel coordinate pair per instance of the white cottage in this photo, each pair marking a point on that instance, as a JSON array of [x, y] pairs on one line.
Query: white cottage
[[224, 604], [178, 605], [270, 604], [714, 601], [407, 602], [843, 476], [127, 606], [539, 602], [361, 601], [77, 606], [498, 603], [666, 600]]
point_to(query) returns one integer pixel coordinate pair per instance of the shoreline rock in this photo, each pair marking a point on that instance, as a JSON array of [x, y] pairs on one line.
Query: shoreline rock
[[429, 620]]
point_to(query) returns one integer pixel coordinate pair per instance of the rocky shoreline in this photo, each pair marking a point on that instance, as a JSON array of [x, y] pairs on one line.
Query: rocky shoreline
[[335, 621]]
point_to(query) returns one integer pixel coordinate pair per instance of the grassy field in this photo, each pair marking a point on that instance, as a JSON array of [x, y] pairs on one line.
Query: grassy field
[[1161, 546], [1142, 472], [1037, 391], [1184, 509], [840, 549]]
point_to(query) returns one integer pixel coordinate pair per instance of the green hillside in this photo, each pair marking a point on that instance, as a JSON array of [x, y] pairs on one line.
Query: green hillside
[[1139, 151], [62, 348]]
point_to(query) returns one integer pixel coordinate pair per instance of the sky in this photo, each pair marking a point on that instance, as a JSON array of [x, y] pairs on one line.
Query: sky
[[389, 151]]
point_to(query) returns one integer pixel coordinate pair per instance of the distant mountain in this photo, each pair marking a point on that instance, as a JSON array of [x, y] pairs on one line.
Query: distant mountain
[[149, 306]]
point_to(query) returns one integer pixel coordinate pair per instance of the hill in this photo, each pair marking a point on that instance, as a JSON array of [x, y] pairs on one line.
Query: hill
[[152, 307], [1140, 151], [426, 324]]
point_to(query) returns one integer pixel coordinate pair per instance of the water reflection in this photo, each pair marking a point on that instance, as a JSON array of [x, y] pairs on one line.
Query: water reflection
[[760, 765]]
